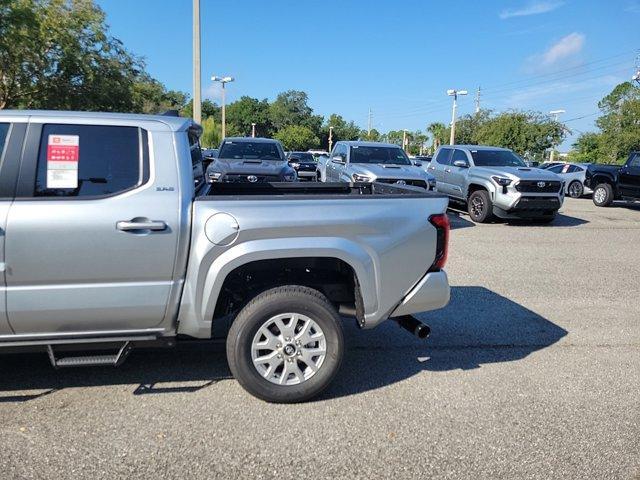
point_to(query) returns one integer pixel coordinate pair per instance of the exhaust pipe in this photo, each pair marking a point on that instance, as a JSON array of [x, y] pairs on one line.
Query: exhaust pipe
[[414, 326]]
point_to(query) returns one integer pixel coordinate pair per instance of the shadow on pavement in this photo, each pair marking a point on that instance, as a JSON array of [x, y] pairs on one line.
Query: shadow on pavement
[[458, 221], [561, 220], [478, 327]]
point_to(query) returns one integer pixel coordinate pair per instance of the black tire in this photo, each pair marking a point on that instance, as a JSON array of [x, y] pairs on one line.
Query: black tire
[[281, 300], [480, 207], [603, 195], [575, 189]]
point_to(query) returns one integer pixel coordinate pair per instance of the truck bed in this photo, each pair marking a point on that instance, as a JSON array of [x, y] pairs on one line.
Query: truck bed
[[310, 188]]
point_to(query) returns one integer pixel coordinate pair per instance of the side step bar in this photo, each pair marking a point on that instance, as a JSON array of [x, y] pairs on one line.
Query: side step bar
[[114, 360]]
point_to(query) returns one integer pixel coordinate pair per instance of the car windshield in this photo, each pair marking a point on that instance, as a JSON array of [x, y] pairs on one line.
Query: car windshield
[[385, 155], [250, 151], [496, 158], [301, 156]]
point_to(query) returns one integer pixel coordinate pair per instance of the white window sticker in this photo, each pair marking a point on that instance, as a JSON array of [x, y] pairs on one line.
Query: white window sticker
[[63, 155]]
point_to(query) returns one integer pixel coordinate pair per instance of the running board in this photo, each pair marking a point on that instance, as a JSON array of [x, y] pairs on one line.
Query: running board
[[114, 360]]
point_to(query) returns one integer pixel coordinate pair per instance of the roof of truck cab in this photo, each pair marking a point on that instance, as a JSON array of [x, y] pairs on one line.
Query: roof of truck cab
[[250, 139], [174, 123], [357, 143], [476, 147]]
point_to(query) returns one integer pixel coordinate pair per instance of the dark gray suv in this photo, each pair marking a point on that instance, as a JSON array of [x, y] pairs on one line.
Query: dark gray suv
[[250, 160]]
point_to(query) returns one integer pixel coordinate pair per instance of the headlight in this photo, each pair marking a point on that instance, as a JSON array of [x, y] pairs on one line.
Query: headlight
[[295, 165], [361, 178], [290, 177], [502, 181], [214, 176]]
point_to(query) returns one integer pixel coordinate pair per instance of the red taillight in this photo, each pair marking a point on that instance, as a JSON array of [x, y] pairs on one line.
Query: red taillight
[[441, 222]]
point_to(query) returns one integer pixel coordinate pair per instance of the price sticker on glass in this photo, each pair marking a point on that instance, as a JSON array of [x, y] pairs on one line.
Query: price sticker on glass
[[63, 155]]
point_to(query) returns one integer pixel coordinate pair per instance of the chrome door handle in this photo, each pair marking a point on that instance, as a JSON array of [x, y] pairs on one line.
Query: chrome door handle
[[431, 168], [447, 170], [132, 225]]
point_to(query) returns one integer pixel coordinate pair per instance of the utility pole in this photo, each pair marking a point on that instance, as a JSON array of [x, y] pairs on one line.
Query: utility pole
[[369, 125], [197, 92], [223, 81], [404, 139], [556, 116], [454, 94], [253, 130], [478, 100], [330, 139]]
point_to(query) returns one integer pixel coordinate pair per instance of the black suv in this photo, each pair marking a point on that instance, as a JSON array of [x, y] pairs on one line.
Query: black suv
[[613, 182]]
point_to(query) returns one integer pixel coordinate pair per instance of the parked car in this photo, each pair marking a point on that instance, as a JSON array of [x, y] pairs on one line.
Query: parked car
[[304, 164], [242, 160], [495, 181], [373, 162], [573, 175], [110, 241], [615, 182]]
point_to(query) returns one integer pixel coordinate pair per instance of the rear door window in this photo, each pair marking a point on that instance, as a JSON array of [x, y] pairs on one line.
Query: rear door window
[[444, 156], [89, 160]]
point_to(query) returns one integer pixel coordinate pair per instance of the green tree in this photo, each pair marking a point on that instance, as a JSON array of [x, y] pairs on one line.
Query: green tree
[[245, 111], [297, 137], [586, 148], [292, 108], [373, 136], [526, 133], [57, 54], [151, 96], [208, 108], [620, 122], [438, 133], [342, 130], [211, 133]]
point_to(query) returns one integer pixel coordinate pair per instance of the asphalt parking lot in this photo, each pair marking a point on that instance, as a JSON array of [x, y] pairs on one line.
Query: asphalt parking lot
[[532, 371]]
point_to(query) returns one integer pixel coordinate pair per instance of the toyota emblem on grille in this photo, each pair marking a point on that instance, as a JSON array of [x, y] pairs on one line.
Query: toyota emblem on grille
[[401, 182], [541, 184], [252, 178]]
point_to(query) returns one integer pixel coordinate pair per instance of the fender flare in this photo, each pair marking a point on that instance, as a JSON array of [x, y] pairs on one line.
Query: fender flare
[[482, 182], [196, 321]]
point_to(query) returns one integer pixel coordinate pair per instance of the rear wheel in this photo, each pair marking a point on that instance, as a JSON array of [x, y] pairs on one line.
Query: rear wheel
[[480, 207], [603, 195], [575, 189], [286, 345]]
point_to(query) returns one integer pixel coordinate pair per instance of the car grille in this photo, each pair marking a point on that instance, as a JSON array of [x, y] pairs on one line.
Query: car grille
[[307, 167], [531, 186], [245, 178], [538, 203], [413, 183]]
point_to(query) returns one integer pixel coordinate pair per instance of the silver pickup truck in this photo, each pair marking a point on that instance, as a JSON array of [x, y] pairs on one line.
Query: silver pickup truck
[[357, 161], [495, 181], [112, 240]]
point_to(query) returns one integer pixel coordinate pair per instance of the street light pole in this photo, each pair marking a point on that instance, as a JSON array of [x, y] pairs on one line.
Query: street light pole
[[197, 91], [253, 130], [223, 81], [454, 94], [556, 115], [404, 139], [330, 139]]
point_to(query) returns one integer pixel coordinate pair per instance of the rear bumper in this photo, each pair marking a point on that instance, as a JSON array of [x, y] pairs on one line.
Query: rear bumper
[[431, 293]]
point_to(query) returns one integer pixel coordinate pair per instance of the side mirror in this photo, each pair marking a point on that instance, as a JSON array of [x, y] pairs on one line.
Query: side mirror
[[338, 159], [417, 164], [460, 164]]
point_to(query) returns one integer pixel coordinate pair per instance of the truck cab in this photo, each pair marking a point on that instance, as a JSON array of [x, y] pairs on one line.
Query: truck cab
[[614, 182]]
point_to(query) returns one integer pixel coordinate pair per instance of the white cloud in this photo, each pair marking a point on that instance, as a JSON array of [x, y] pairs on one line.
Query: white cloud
[[564, 50], [633, 7], [533, 8]]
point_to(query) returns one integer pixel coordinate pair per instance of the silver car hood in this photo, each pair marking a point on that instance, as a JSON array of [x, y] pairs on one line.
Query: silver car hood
[[407, 172], [516, 173]]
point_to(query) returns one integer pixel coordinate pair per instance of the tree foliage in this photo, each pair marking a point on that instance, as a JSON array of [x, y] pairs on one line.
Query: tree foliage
[[297, 137], [619, 128]]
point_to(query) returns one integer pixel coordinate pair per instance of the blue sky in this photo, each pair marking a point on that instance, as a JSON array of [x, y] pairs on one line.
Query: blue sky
[[396, 57]]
